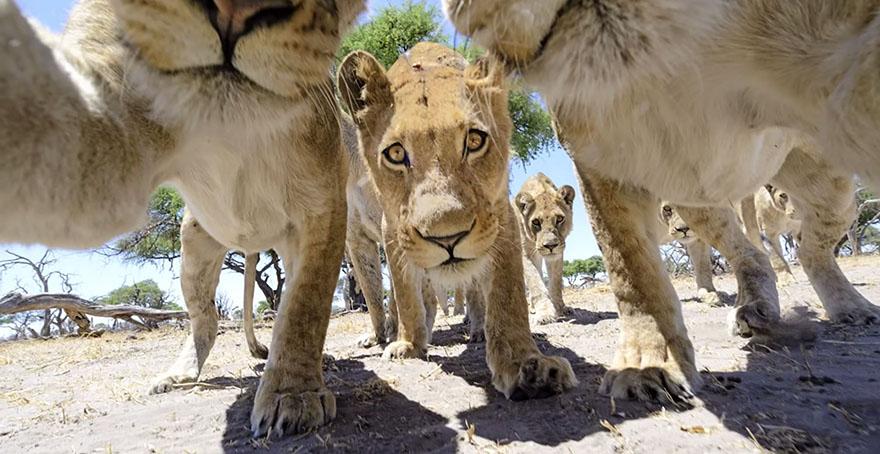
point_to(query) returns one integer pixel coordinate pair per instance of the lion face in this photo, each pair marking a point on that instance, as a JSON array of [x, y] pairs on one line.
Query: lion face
[[676, 228], [782, 201], [434, 135], [218, 54], [546, 218]]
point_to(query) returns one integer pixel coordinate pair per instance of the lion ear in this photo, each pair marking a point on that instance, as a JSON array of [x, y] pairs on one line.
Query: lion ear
[[567, 194], [485, 72], [525, 203], [770, 188], [363, 86]]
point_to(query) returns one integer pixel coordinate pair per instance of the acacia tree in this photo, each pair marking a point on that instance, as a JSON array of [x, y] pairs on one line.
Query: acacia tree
[[585, 270], [863, 230], [159, 242], [44, 278]]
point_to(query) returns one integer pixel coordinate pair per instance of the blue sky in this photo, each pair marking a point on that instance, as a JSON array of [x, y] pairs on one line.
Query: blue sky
[[97, 275]]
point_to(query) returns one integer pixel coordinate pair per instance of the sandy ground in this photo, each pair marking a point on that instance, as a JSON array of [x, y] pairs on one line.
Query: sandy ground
[[89, 395]]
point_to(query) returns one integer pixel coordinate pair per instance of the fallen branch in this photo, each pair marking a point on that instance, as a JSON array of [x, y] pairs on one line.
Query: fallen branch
[[16, 302]]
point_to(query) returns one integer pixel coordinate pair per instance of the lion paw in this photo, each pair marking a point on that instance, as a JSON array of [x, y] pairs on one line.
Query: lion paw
[[539, 376], [165, 383], [757, 318], [477, 336], [370, 340], [710, 298], [289, 413], [402, 350], [856, 314], [546, 318], [651, 384]]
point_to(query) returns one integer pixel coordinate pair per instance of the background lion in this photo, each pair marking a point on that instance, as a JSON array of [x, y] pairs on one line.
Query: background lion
[[435, 137], [543, 214]]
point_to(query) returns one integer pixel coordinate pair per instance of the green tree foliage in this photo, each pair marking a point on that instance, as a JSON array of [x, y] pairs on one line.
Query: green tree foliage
[[393, 31], [396, 29], [144, 293], [584, 270], [160, 239]]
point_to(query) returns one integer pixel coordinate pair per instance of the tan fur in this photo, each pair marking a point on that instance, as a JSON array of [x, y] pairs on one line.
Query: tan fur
[[698, 103], [776, 215], [135, 93], [543, 214], [446, 210], [671, 227]]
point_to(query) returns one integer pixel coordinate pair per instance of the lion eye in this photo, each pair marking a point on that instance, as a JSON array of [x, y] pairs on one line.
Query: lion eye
[[783, 196], [560, 220], [667, 210], [396, 156], [536, 223], [475, 141]]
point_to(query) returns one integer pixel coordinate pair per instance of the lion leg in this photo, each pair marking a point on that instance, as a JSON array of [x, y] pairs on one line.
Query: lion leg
[[655, 358], [828, 208], [757, 301], [364, 255], [476, 314], [201, 260], [700, 254], [458, 307], [431, 298], [412, 336], [292, 396], [391, 321], [554, 286], [519, 369], [539, 295], [777, 256]]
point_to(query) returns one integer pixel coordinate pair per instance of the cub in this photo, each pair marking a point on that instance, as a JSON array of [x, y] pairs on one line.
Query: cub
[[543, 214], [435, 134]]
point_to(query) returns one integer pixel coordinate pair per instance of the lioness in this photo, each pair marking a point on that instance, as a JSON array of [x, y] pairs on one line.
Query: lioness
[[543, 214], [698, 103], [776, 215], [232, 103], [435, 137]]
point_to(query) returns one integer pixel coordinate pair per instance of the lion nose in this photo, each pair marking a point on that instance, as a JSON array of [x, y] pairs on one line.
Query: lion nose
[[683, 230], [447, 242], [235, 18], [550, 245]]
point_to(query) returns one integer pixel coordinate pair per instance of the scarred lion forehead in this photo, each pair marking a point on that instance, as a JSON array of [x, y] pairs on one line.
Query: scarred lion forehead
[[428, 85]]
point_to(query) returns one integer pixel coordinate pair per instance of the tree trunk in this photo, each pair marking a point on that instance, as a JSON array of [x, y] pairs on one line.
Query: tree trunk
[[15, 302]]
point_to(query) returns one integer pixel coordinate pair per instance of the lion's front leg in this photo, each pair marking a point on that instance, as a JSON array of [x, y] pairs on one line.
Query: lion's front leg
[[700, 254], [292, 396], [655, 358], [201, 260], [364, 255], [408, 287], [825, 199], [539, 295], [519, 369], [757, 301]]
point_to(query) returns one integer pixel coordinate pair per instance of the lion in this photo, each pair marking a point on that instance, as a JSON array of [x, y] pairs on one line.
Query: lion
[[698, 103], [776, 215], [229, 101], [671, 227], [435, 134], [543, 214]]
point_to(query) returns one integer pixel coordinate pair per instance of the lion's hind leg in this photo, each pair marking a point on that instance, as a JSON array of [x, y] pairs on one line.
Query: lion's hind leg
[[825, 198], [201, 259]]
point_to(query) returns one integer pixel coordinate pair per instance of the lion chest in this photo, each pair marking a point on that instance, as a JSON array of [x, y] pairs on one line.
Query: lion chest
[[249, 195]]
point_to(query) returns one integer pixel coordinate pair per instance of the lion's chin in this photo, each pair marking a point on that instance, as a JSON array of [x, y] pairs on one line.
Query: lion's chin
[[458, 271]]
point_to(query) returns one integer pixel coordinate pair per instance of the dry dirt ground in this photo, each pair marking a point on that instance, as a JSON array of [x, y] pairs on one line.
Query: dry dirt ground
[[88, 395]]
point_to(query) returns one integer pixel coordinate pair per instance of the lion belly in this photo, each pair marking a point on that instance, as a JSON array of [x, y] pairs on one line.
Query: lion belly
[[246, 195]]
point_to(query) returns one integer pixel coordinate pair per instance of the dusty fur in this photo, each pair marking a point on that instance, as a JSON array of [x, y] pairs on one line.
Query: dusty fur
[[140, 92], [698, 103], [543, 214], [435, 133]]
